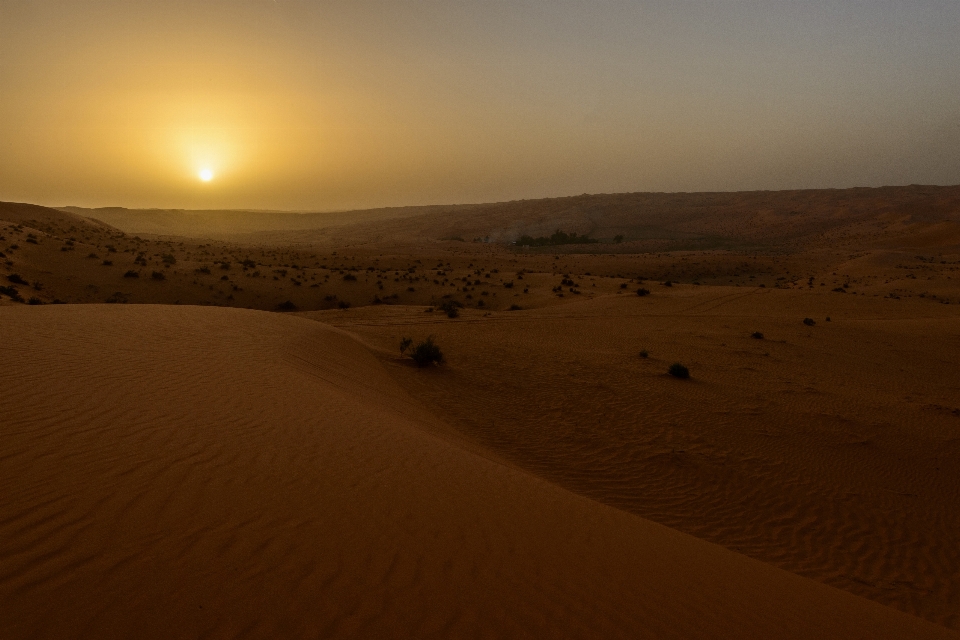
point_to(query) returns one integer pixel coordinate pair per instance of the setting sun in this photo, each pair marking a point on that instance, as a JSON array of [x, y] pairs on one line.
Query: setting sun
[[206, 175]]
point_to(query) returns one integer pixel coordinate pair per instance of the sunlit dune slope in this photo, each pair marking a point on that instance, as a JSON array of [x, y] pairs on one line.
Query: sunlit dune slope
[[184, 472]]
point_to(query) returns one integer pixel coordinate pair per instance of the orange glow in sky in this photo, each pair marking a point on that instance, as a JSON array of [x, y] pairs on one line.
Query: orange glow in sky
[[333, 105]]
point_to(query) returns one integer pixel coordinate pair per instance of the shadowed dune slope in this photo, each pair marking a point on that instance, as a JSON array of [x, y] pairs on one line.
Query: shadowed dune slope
[[186, 472]]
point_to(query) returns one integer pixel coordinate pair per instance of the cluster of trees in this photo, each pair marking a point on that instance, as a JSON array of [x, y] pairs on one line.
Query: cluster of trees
[[558, 237]]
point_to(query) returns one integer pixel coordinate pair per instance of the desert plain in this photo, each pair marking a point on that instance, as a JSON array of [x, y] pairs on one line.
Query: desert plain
[[208, 427]]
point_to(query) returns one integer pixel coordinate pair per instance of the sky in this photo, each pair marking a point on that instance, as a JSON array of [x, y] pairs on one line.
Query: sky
[[321, 105]]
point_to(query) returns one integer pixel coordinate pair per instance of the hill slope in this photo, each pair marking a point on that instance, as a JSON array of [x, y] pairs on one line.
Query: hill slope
[[780, 220]]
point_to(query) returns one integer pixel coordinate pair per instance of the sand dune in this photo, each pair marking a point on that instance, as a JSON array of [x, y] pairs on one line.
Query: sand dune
[[830, 451], [186, 472], [164, 459]]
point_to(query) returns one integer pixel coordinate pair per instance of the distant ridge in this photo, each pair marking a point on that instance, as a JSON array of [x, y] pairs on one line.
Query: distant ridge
[[647, 221]]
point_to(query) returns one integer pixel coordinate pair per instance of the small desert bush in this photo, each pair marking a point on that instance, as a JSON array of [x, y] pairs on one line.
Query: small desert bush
[[451, 308], [158, 275], [677, 370], [131, 274], [405, 344], [427, 353], [12, 293], [809, 322], [35, 300], [515, 307], [644, 353], [756, 335], [349, 278], [287, 306], [643, 292], [16, 279], [169, 258]]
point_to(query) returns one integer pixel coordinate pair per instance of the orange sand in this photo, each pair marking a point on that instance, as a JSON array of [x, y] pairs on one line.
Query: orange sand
[[181, 471], [186, 472]]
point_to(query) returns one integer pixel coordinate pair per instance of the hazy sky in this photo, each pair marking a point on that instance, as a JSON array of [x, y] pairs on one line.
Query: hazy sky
[[315, 105]]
